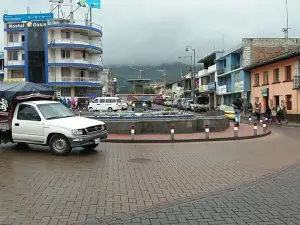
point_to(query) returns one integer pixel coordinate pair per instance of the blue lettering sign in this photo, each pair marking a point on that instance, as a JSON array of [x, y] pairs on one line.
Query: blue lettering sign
[[27, 17]]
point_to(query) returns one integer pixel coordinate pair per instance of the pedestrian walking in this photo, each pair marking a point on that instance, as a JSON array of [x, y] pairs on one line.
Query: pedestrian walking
[[268, 113], [86, 103], [257, 110], [73, 103], [273, 113], [238, 107], [250, 108]]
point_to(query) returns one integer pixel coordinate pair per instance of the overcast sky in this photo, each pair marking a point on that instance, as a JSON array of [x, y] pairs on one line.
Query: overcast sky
[[156, 31]]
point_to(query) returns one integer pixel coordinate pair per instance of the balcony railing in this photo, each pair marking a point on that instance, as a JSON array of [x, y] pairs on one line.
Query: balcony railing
[[15, 62], [15, 44], [75, 22], [81, 61], [75, 79], [296, 82], [235, 66], [74, 41], [220, 71]]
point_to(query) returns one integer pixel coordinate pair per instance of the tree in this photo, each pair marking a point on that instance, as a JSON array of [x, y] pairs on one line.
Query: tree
[[131, 91], [149, 90]]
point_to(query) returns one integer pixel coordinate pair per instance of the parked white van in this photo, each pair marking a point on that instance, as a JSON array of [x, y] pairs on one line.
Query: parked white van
[[105, 104]]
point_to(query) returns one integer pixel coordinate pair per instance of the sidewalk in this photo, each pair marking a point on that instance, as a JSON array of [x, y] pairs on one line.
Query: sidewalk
[[245, 132], [245, 119]]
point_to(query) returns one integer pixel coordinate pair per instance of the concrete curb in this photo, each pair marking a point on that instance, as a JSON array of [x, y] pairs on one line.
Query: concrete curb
[[187, 140]]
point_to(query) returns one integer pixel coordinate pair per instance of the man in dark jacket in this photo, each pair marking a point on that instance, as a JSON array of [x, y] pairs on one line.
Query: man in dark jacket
[[238, 107]]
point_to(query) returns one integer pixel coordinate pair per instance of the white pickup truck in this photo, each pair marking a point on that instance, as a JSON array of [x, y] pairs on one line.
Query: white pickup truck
[[50, 123]]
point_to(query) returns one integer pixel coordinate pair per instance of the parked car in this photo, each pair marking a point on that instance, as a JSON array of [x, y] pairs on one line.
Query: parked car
[[124, 105], [174, 104], [180, 102], [187, 104], [105, 104], [228, 110], [201, 103], [29, 116], [168, 103]]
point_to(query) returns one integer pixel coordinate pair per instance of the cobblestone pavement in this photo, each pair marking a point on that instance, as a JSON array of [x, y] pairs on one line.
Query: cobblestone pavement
[[39, 188], [272, 201]]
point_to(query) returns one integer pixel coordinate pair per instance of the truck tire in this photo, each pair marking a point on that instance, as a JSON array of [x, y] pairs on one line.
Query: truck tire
[[90, 147], [91, 109], [59, 145]]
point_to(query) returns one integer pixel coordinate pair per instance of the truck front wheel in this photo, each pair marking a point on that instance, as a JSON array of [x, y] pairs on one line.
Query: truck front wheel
[[59, 145]]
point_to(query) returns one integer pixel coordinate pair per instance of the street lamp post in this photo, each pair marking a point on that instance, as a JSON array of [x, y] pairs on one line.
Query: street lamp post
[[140, 71], [194, 70], [185, 57]]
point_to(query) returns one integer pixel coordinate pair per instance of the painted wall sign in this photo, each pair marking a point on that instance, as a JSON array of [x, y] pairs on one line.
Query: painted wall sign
[[212, 86], [222, 89], [27, 17]]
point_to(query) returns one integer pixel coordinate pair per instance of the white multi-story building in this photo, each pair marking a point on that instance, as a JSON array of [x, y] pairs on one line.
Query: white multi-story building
[[208, 77], [61, 53]]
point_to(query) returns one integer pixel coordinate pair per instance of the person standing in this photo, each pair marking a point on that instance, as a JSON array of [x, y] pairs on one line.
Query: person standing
[[73, 103], [250, 108], [238, 107], [64, 101], [257, 110], [86, 103], [268, 113]]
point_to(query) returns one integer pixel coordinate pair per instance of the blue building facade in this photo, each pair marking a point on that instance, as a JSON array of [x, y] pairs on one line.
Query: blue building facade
[[57, 52], [233, 81]]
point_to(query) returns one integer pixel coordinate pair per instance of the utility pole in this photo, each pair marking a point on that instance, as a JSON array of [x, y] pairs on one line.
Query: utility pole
[[286, 30], [163, 72], [194, 70]]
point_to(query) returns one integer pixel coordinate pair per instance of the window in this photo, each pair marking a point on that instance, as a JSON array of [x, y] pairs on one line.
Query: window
[[266, 77], [288, 100], [102, 100], [276, 75], [27, 112], [288, 73], [237, 77], [13, 55], [110, 100], [13, 37], [23, 56], [256, 79], [23, 39], [65, 35], [65, 91], [17, 74], [65, 54], [95, 100]]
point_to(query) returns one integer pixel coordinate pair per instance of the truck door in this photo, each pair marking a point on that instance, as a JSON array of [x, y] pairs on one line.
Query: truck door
[[27, 125]]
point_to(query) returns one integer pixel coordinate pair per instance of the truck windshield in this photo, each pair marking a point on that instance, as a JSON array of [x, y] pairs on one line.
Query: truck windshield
[[54, 111]]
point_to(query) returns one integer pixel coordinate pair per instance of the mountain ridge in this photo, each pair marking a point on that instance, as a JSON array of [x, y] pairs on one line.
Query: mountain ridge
[[124, 72]]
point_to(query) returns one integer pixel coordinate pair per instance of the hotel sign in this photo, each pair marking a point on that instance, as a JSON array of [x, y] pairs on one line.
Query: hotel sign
[[28, 24]]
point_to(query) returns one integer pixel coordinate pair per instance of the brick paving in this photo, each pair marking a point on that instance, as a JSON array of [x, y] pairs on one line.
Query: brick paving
[[39, 188], [244, 130], [272, 201]]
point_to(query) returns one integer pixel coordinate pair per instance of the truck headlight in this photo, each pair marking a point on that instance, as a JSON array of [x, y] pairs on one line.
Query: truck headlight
[[77, 132]]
